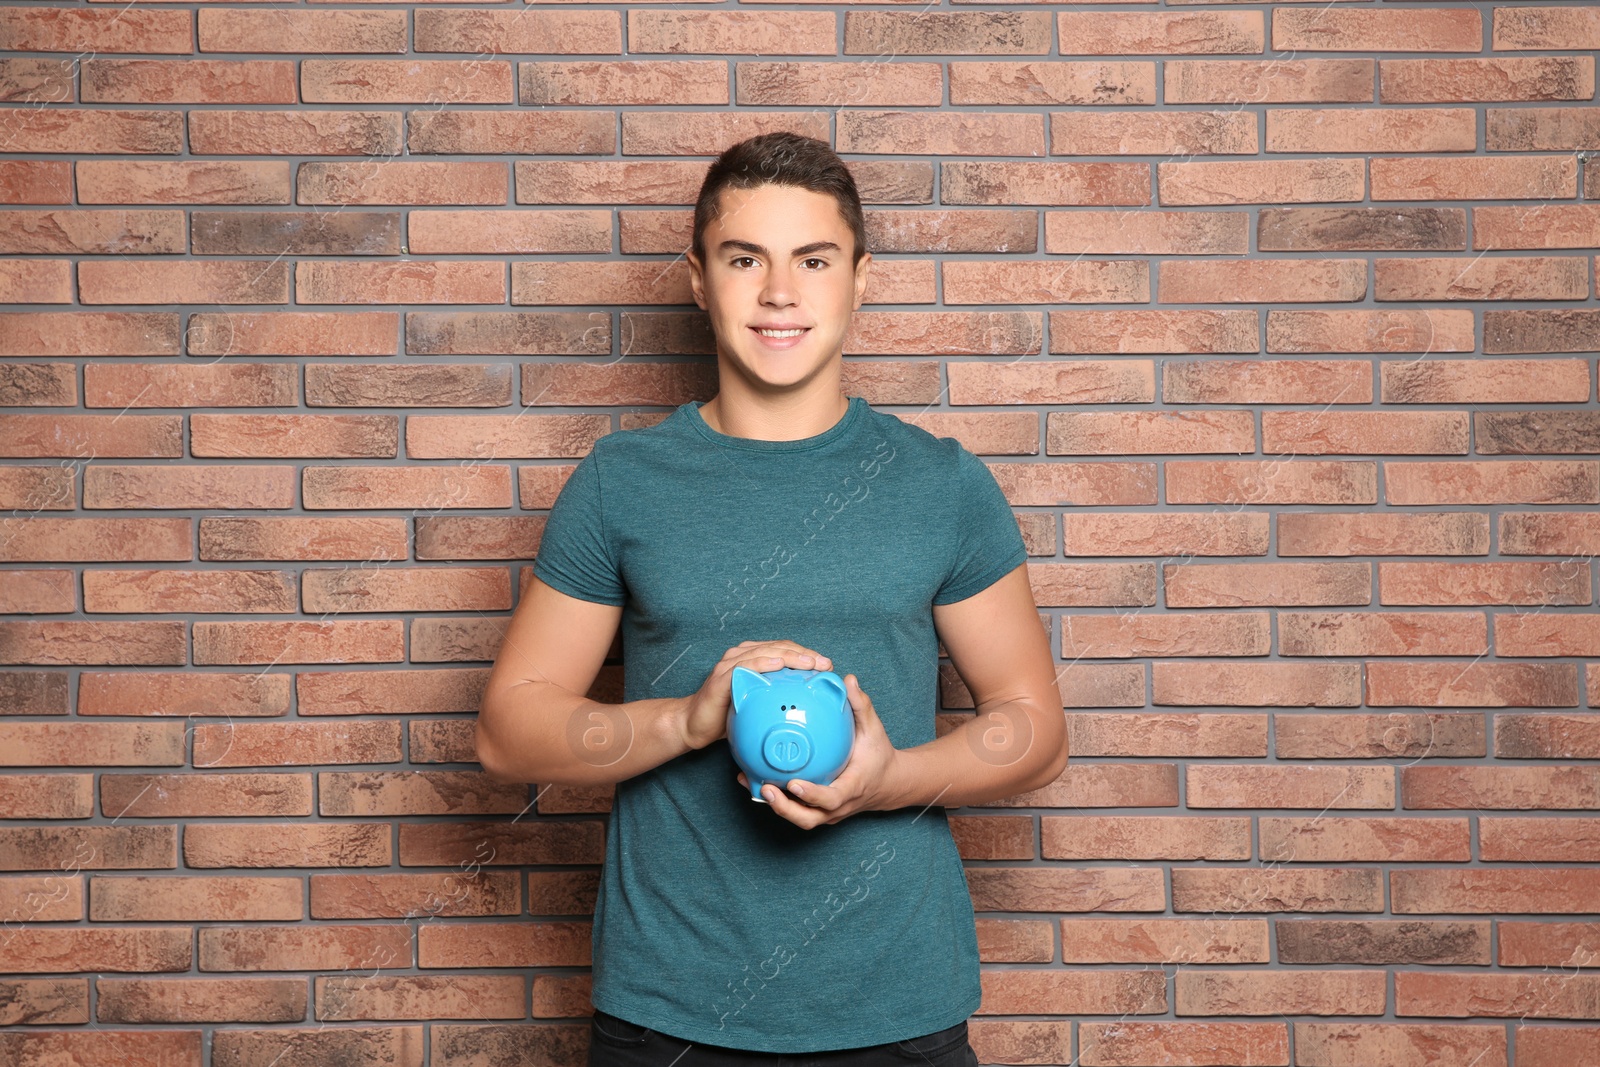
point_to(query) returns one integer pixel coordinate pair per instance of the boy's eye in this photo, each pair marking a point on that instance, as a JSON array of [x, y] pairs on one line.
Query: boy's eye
[[810, 259]]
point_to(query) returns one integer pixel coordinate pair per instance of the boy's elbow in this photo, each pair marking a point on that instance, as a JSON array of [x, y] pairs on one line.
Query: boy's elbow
[[484, 748]]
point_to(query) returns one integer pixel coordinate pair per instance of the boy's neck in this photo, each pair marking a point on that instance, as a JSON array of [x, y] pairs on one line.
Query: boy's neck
[[787, 417]]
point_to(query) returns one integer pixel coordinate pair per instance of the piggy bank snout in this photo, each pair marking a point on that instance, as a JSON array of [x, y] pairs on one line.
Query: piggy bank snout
[[786, 748]]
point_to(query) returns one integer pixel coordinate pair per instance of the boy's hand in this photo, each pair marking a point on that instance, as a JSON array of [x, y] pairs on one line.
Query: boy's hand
[[865, 784], [705, 716]]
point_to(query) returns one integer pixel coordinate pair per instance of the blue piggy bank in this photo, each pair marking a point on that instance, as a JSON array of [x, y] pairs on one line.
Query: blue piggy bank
[[789, 724]]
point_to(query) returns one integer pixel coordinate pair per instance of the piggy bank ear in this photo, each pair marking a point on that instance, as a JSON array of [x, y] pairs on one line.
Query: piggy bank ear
[[746, 681], [829, 686]]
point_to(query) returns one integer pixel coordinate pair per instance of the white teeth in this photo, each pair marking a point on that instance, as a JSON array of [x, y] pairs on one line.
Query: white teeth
[[780, 333]]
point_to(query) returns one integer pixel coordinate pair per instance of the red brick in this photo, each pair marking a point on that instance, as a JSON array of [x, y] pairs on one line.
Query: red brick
[[336, 641], [1276, 889], [132, 281], [293, 333], [88, 848], [1425, 330], [1124, 1042], [288, 744], [417, 385], [1159, 32], [1004, 941], [518, 944], [1263, 281], [286, 845], [1547, 944], [435, 82], [189, 592], [1488, 79], [1289, 786], [454, 996], [1540, 839], [80, 130], [154, 386], [1183, 734], [1141, 533], [399, 1046], [1157, 940], [634, 181], [1124, 785], [515, 132], [93, 744], [410, 896], [795, 83], [305, 948], [1274, 481], [1442, 129], [1481, 178], [1557, 995], [1400, 1045], [1565, 634], [429, 488], [1083, 991], [188, 81], [190, 486], [1265, 181], [1556, 1046], [1377, 534], [36, 281], [1493, 482], [1547, 736], [194, 898], [126, 1048], [297, 436], [160, 693], [418, 793], [302, 131], [43, 950], [1321, 839], [1281, 992], [146, 796], [523, 31], [943, 134], [400, 692], [35, 181], [500, 843], [189, 181], [1063, 889], [95, 540], [35, 592], [1381, 633], [1255, 685], [45, 898], [1548, 890], [1475, 684], [75, 643], [403, 182], [1495, 381], [513, 231], [1033, 82], [1144, 837], [45, 1001], [185, 1000], [1546, 27], [65, 29], [47, 795], [1411, 30], [1265, 81], [1397, 734], [318, 538], [91, 436], [1422, 582], [417, 282], [314, 32], [84, 230], [759, 33], [1557, 787]]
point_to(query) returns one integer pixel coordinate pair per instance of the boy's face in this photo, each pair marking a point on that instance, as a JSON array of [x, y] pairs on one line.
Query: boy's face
[[778, 255]]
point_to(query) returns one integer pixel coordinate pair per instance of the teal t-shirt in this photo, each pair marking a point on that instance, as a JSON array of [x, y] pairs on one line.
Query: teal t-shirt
[[718, 921]]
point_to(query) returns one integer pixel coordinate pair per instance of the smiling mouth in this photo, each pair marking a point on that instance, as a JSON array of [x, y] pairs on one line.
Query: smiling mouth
[[779, 334]]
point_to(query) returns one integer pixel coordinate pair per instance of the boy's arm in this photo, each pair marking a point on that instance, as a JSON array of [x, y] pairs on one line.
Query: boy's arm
[[535, 724], [1018, 741]]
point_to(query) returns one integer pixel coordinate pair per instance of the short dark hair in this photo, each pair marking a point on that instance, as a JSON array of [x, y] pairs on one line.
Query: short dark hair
[[781, 158]]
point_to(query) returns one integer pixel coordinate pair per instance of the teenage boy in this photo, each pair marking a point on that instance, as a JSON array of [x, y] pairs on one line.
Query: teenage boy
[[779, 524]]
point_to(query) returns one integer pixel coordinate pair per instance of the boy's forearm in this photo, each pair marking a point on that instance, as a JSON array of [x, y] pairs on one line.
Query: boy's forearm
[[999, 754], [539, 732]]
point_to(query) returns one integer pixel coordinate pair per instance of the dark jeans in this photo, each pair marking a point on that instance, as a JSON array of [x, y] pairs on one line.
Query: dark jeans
[[615, 1042]]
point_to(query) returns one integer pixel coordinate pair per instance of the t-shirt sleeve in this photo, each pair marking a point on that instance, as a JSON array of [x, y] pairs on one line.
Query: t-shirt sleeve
[[575, 556], [988, 544]]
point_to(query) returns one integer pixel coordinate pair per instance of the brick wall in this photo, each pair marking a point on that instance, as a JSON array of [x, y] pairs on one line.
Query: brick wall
[[1277, 326]]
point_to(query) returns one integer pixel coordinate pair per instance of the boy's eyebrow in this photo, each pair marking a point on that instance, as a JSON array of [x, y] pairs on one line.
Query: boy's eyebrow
[[751, 246]]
